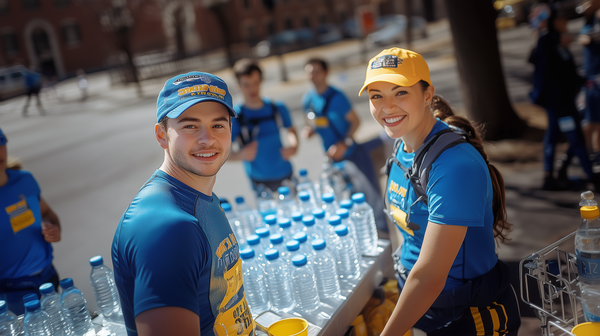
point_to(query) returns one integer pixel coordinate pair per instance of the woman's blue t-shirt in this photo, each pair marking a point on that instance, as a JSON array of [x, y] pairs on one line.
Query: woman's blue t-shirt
[[460, 193]]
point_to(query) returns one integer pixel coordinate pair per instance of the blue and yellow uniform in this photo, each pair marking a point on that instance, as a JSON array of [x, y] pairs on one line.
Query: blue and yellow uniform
[[174, 248]]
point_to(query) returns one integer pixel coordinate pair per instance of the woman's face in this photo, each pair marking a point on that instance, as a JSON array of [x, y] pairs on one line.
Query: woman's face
[[399, 109]]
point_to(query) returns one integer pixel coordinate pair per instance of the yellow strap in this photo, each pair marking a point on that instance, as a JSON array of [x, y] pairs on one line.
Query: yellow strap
[[478, 321], [505, 317], [495, 320]]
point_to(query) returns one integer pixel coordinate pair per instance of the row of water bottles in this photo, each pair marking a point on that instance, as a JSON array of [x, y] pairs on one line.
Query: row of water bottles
[[65, 314]]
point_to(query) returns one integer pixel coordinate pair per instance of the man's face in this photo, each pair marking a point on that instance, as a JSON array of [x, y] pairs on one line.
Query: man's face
[[199, 141], [250, 85], [316, 74]]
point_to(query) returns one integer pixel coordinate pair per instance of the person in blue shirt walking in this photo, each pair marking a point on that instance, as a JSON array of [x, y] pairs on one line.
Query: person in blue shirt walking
[[330, 114], [33, 84], [258, 129], [590, 38], [176, 260], [450, 279], [28, 226]]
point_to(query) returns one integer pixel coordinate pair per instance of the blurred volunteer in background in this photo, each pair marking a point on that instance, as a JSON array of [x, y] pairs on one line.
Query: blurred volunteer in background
[[175, 257], [450, 278], [27, 227], [258, 130]]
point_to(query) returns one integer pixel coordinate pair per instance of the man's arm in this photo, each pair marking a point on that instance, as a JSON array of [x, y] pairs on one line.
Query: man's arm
[[246, 153], [338, 150], [168, 321], [292, 140], [50, 223], [354, 121]]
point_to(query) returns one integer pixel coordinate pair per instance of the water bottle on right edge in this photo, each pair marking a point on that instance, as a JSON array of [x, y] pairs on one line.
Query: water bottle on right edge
[[9, 325], [50, 302], [75, 306], [364, 220], [254, 282], [306, 294], [587, 249], [37, 321], [105, 291]]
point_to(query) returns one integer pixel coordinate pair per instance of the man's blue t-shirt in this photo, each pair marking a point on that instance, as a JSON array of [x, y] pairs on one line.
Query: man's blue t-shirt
[[22, 246], [268, 165], [460, 193], [331, 125], [174, 248]]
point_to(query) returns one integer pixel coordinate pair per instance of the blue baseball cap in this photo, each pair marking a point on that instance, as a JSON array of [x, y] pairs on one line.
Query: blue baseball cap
[[183, 91], [3, 139]]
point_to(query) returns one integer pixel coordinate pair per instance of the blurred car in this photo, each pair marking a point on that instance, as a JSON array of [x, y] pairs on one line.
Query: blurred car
[[12, 81], [393, 29], [328, 33]]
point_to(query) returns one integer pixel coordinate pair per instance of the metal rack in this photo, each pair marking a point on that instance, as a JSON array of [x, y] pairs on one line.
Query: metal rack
[[549, 284]]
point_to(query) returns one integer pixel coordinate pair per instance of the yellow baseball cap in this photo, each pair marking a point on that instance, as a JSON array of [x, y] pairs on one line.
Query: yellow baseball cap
[[397, 66]]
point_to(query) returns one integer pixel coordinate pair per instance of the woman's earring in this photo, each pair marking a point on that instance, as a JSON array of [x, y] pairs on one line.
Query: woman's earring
[[427, 103]]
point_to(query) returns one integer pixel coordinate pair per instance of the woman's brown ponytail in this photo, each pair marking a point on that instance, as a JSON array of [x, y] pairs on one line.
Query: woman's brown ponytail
[[442, 110]]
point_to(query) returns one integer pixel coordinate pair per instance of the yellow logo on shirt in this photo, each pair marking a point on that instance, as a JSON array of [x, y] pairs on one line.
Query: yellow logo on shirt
[[226, 244], [234, 319], [395, 188], [20, 215], [322, 122]]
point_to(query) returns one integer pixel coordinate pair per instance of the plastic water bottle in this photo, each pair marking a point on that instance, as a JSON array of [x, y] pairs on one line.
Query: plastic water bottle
[[29, 297], [287, 204], [9, 325], [75, 306], [265, 202], [249, 219], [271, 223], [255, 244], [306, 294], [326, 178], [347, 204], [305, 203], [297, 225], [320, 220], [305, 185], [305, 246], [587, 249], [52, 305], [331, 237], [348, 262], [345, 216], [324, 264], [234, 223], [329, 204], [337, 177], [278, 244], [285, 228], [254, 282], [293, 248], [37, 321], [278, 282], [366, 230], [310, 228], [264, 234], [105, 291]]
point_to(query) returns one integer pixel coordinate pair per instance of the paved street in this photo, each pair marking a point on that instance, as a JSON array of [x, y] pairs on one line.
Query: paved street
[[90, 157]]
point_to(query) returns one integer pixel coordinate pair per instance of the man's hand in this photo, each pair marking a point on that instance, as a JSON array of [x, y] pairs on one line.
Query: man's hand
[[51, 232], [248, 153], [337, 151], [308, 132], [287, 153]]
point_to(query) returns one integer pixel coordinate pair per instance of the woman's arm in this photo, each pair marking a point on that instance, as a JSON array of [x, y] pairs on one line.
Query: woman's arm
[[50, 223], [427, 278]]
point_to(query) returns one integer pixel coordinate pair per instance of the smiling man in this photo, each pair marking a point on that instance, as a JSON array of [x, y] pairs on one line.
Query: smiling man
[[175, 258]]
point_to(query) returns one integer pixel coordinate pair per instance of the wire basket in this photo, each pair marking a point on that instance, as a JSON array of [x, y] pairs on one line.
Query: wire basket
[[550, 285]]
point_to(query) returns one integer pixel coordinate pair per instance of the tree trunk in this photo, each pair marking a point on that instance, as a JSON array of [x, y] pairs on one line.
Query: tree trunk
[[473, 27]]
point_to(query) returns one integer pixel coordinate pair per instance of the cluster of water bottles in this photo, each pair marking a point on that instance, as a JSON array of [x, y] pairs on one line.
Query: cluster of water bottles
[[299, 252], [65, 314], [587, 249]]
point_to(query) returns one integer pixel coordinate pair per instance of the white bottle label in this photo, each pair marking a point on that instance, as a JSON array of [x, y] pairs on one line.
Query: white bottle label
[[588, 265]]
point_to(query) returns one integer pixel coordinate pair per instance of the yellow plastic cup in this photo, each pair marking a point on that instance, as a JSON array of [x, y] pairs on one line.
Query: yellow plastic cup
[[289, 327], [587, 329]]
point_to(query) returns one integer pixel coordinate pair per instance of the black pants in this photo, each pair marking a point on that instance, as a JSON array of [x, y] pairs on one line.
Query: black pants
[[13, 290]]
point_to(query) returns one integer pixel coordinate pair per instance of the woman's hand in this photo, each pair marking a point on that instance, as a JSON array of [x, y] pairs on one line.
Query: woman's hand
[[51, 232]]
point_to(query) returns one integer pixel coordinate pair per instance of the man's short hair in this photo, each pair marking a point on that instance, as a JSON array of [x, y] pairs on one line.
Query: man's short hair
[[318, 61], [245, 67]]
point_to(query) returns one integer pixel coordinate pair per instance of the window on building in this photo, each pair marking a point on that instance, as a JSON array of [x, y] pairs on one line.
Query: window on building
[[287, 23], [31, 4], [61, 3], [4, 7], [10, 44], [247, 4], [306, 22], [71, 34], [270, 28]]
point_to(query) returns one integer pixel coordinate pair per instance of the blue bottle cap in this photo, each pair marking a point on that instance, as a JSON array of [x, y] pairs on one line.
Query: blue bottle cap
[[29, 297], [318, 244], [32, 305], [301, 237], [304, 196], [66, 283], [358, 198], [276, 239], [226, 207], [319, 213], [341, 230], [283, 190], [247, 253], [3, 307], [292, 245], [335, 220], [297, 216], [328, 197], [343, 213], [271, 254], [299, 260], [270, 219], [96, 261], [239, 200], [303, 172], [285, 223], [262, 232], [346, 204], [253, 240], [308, 220], [47, 288], [339, 165]]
